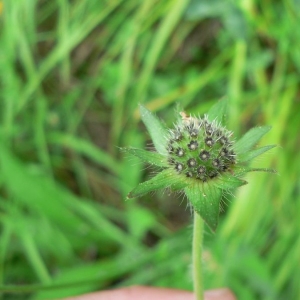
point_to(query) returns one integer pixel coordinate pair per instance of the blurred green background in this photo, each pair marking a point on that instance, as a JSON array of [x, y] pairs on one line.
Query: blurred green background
[[71, 76]]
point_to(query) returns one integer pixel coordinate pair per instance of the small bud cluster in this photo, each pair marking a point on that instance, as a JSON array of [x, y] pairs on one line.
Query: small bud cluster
[[200, 149]]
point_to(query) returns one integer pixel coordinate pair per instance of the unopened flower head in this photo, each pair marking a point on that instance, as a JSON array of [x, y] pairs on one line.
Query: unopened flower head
[[199, 156], [200, 149]]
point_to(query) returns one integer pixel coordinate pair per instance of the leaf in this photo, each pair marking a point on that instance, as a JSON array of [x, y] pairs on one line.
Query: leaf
[[250, 139], [205, 199], [156, 130], [229, 13], [86, 149], [153, 158], [244, 170], [178, 185], [164, 179], [131, 169], [235, 22], [83, 278], [229, 182], [198, 10], [140, 221], [252, 154], [38, 194], [218, 111]]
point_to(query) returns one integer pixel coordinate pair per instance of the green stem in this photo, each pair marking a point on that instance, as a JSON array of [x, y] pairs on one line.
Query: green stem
[[197, 256]]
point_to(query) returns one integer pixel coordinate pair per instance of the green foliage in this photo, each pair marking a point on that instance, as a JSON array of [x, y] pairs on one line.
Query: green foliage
[[165, 179], [152, 158], [155, 129], [71, 76], [205, 199], [206, 177], [218, 111], [250, 139], [254, 153]]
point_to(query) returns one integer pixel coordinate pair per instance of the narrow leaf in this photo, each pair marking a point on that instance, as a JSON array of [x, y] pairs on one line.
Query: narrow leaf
[[164, 179], [156, 130], [205, 199], [218, 111], [178, 185], [153, 158], [256, 152], [86, 149], [229, 182], [244, 170], [250, 139]]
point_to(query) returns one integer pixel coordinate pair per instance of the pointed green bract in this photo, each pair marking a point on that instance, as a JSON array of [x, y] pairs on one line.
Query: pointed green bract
[[205, 199], [254, 153], [242, 171], [156, 130], [152, 158], [164, 179], [250, 139], [178, 185], [227, 182], [199, 156], [218, 111]]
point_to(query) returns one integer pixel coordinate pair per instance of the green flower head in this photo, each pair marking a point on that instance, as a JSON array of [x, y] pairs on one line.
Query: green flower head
[[199, 156]]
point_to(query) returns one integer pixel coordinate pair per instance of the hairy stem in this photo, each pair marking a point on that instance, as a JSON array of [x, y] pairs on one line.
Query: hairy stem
[[197, 256]]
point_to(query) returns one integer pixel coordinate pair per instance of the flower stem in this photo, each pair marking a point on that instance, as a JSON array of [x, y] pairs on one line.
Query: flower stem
[[197, 256]]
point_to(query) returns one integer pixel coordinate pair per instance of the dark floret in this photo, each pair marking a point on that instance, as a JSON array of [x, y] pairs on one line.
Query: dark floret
[[171, 161], [179, 167], [193, 132], [224, 152], [223, 168], [213, 174], [218, 133], [223, 140], [204, 155], [191, 162], [193, 145], [231, 156], [170, 148], [177, 135], [216, 162], [179, 152], [189, 174], [209, 141], [202, 177], [208, 129], [201, 170]]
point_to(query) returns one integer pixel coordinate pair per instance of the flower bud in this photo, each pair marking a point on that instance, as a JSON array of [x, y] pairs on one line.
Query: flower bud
[[200, 148]]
